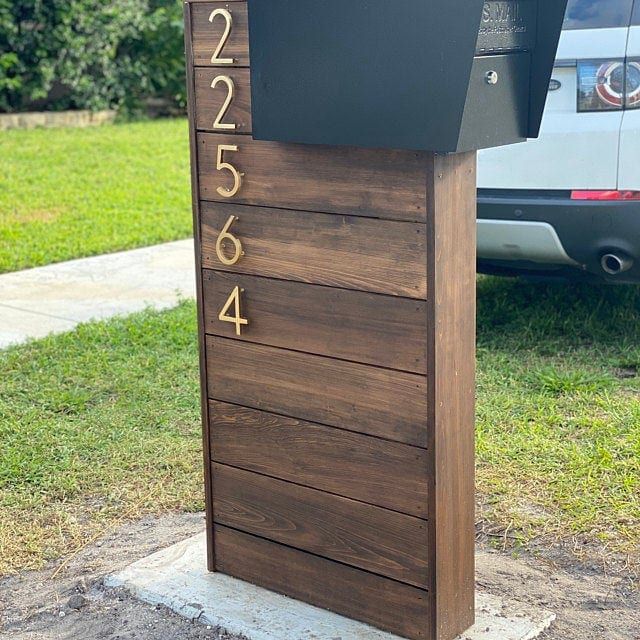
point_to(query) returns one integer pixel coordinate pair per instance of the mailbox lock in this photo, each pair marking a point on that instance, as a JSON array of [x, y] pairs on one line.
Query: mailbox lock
[[491, 77]]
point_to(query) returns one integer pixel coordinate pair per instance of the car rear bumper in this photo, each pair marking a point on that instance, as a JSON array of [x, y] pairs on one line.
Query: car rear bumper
[[543, 231]]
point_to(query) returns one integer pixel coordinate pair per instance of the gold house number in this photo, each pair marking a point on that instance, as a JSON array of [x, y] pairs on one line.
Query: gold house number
[[228, 20], [237, 319], [221, 165], [217, 123], [220, 243]]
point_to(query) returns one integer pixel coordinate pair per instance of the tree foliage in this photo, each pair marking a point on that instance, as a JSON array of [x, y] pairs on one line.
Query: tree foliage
[[90, 54]]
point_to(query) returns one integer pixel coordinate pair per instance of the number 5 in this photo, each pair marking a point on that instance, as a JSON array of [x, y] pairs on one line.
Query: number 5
[[220, 165]]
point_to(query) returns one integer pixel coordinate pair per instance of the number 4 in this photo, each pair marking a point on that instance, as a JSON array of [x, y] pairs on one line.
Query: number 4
[[237, 319]]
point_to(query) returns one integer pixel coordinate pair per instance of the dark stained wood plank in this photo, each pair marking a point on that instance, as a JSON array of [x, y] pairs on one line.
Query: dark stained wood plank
[[362, 398], [452, 268], [206, 35], [210, 100], [204, 405], [384, 603], [361, 535], [387, 474], [382, 256], [352, 325], [349, 180]]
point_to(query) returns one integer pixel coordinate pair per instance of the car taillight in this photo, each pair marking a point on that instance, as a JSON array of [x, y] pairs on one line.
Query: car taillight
[[600, 85], [608, 85], [605, 195], [632, 89]]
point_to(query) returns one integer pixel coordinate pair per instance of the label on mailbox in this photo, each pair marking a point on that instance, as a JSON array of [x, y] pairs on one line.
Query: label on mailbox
[[507, 25]]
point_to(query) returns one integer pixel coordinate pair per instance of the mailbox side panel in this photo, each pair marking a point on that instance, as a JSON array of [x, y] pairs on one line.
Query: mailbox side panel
[[496, 114]]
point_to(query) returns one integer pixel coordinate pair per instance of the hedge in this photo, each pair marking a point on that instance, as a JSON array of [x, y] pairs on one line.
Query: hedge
[[90, 54]]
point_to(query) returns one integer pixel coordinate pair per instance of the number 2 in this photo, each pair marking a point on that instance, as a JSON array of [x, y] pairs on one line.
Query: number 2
[[237, 319], [217, 123], [225, 35]]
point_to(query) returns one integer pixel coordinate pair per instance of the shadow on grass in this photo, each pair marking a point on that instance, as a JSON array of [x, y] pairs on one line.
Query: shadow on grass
[[549, 319]]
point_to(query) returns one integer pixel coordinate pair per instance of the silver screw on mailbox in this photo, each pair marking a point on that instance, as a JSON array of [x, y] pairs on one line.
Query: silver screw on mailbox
[[491, 77]]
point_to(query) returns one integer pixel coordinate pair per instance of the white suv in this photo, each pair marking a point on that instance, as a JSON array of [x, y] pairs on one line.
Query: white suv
[[568, 203]]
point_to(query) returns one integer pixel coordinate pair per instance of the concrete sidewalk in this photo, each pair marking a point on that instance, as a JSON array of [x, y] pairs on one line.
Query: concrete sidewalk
[[55, 298]]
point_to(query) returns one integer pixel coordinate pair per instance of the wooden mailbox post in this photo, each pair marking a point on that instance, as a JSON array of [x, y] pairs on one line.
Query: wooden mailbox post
[[336, 286]]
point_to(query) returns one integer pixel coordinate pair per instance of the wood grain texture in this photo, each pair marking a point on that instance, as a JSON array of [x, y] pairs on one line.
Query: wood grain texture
[[387, 604], [361, 535], [381, 256], [362, 398], [206, 35], [209, 100], [451, 353], [351, 325], [379, 472], [366, 182], [204, 405]]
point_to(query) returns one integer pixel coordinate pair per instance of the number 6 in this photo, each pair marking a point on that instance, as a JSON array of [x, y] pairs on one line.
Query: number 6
[[225, 235], [237, 176]]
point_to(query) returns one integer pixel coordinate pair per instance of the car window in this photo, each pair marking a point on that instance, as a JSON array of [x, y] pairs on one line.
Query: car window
[[635, 18], [592, 14]]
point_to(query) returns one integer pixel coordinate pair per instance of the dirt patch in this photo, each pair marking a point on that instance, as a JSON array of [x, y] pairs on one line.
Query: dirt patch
[[590, 604], [33, 606], [48, 215]]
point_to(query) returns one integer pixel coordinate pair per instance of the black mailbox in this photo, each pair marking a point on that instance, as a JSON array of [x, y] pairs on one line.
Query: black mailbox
[[437, 75]]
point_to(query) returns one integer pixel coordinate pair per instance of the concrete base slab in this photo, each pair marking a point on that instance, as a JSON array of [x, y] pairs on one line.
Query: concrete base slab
[[55, 298], [177, 577]]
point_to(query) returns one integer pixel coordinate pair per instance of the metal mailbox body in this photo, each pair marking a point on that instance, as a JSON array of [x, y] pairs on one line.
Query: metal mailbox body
[[436, 75]]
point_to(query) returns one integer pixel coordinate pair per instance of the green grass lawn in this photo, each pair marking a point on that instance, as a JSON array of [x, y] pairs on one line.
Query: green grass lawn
[[102, 424], [67, 193], [96, 425], [558, 417]]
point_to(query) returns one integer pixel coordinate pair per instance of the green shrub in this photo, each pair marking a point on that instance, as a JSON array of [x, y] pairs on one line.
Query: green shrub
[[61, 54]]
